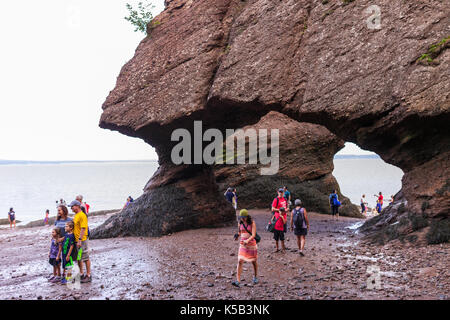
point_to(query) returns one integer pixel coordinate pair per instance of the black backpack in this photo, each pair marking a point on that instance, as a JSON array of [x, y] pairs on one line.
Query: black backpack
[[298, 217]]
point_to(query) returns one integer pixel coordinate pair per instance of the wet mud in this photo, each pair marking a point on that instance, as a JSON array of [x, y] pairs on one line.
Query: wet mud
[[200, 264]]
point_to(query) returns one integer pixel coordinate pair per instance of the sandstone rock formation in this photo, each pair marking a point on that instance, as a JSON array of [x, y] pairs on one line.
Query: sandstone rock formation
[[306, 166], [230, 62]]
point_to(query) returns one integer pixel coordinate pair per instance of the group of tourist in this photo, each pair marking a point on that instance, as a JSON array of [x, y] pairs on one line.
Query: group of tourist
[[281, 209], [70, 243], [379, 204]]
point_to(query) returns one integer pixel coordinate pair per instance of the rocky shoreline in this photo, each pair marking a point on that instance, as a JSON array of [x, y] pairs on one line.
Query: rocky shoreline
[[200, 264]]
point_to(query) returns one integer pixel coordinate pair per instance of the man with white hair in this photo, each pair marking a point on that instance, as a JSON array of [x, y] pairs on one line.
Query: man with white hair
[[84, 206]]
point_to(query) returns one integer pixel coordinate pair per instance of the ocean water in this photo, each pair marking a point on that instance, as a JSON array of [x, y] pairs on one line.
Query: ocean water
[[367, 176], [33, 188]]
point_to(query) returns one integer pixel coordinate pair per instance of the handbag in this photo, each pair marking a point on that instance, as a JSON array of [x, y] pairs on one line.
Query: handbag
[[257, 237]]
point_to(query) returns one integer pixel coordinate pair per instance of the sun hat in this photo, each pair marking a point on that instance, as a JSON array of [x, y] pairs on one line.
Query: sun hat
[[243, 213]]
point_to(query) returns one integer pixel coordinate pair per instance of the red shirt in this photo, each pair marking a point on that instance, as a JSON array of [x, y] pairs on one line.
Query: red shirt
[[282, 202], [380, 198], [279, 225]]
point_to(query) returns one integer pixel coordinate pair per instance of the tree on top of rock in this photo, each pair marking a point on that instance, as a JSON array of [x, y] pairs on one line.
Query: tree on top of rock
[[141, 16]]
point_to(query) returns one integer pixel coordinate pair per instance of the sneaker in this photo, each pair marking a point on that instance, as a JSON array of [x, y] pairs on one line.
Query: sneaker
[[301, 253], [83, 276], [56, 279], [236, 284], [255, 280], [86, 279], [63, 281], [51, 278]]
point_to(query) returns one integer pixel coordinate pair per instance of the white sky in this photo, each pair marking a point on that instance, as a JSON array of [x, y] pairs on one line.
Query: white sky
[[58, 61]]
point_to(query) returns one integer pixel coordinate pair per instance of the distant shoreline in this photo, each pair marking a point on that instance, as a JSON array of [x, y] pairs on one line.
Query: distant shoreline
[[355, 156], [28, 162]]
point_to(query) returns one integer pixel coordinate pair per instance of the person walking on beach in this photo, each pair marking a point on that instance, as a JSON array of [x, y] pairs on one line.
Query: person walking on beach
[[300, 225], [12, 218], [82, 243], [47, 212], [248, 249], [334, 204], [364, 204], [280, 219], [54, 256]]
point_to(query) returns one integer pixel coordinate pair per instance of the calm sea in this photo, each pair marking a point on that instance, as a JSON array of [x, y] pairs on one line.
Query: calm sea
[[367, 176], [31, 189]]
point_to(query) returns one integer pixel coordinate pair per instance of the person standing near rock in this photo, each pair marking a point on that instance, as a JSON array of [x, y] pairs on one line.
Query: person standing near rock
[[280, 219], [12, 218], [364, 205], [300, 225], [248, 249], [334, 204], [379, 202], [235, 198], [287, 196], [278, 203], [82, 243]]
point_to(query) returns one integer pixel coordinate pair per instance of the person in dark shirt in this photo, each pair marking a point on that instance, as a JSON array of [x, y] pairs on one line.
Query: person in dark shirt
[[68, 252], [12, 218]]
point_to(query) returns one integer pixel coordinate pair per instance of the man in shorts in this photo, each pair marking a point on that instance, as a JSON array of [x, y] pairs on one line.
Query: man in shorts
[[82, 243], [278, 234]]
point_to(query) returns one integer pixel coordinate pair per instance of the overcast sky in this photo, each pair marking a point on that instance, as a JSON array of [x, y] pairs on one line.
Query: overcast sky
[[58, 61]]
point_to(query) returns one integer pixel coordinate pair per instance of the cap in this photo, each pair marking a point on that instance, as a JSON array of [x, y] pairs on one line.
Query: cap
[[281, 190], [298, 202], [75, 203]]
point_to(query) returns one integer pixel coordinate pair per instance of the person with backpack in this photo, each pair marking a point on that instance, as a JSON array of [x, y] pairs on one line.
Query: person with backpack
[[334, 204], [278, 203], [248, 248], [300, 225]]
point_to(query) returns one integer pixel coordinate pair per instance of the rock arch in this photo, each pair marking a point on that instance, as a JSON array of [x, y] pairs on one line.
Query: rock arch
[[230, 62]]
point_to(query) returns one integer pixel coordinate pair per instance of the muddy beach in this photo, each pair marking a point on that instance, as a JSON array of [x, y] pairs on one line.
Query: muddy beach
[[200, 264]]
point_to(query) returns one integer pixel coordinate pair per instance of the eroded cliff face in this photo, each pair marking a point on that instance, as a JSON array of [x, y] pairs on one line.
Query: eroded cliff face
[[229, 63]]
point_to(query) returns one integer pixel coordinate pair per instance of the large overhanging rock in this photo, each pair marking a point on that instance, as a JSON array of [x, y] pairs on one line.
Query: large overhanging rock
[[305, 167], [384, 87]]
